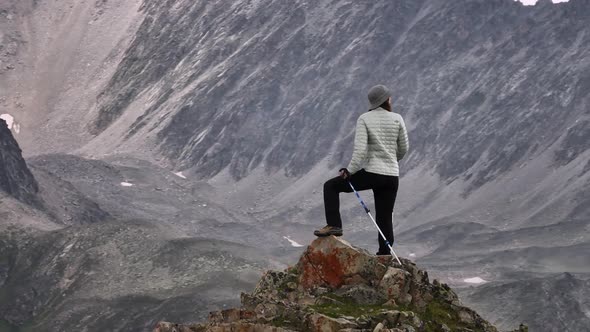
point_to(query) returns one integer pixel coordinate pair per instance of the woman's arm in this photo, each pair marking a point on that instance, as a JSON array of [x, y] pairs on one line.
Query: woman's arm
[[403, 144], [360, 147]]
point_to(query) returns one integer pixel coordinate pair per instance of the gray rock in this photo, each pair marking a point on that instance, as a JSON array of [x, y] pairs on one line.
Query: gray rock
[[395, 285], [362, 294], [319, 322], [379, 327]]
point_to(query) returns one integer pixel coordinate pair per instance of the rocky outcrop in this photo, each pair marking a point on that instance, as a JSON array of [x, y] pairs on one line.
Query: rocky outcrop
[[15, 177], [337, 287]]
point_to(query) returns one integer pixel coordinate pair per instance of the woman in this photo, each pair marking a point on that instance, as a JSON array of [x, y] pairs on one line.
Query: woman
[[381, 140]]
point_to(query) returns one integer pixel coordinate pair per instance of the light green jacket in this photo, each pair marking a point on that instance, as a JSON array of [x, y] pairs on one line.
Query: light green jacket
[[381, 140]]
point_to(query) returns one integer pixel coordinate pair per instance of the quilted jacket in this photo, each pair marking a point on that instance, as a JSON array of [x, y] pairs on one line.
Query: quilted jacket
[[381, 140]]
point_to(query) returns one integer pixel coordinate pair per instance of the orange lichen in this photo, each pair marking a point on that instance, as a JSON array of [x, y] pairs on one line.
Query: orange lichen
[[322, 269]]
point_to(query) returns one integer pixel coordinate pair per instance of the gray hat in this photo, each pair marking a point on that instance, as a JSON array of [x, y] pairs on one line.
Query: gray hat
[[378, 95]]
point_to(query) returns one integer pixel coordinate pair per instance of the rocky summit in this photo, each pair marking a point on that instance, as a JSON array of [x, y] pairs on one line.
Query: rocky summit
[[337, 287]]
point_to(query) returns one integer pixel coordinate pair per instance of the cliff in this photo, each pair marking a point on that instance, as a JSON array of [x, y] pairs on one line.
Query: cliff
[[15, 177]]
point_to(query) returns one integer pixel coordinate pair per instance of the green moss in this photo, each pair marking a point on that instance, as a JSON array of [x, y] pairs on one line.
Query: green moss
[[279, 322], [290, 323], [346, 307], [434, 315], [283, 287], [292, 270], [438, 313]]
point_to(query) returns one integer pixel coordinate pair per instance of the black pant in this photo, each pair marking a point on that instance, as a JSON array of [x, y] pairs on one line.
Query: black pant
[[384, 190]]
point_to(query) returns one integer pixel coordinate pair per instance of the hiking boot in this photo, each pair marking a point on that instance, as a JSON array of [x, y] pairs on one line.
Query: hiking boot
[[381, 253], [327, 231]]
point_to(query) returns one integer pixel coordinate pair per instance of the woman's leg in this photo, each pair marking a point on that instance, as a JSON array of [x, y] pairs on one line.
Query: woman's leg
[[385, 196], [332, 190]]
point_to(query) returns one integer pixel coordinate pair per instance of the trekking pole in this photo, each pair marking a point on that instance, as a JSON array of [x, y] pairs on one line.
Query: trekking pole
[[374, 222]]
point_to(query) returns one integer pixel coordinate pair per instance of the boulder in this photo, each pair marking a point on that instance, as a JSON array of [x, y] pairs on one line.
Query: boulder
[[395, 285], [362, 294], [332, 262], [323, 323]]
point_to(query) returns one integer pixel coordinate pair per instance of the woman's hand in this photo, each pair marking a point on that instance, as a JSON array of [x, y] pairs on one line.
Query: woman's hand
[[344, 173]]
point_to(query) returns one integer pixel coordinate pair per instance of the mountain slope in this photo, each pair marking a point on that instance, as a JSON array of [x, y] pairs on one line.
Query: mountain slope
[[65, 263], [256, 90], [60, 280], [212, 95], [566, 297]]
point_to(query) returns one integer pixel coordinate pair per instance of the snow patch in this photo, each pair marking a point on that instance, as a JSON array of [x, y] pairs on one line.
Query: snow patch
[[180, 175], [12, 125], [412, 254], [476, 280], [533, 2], [201, 136], [8, 118], [66, 250], [126, 184], [293, 243]]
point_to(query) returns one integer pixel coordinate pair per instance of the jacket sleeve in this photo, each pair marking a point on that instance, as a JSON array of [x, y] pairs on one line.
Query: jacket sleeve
[[403, 144], [360, 147]]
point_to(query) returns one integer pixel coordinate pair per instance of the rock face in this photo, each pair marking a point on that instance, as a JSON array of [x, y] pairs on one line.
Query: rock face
[[15, 177], [336, 287]]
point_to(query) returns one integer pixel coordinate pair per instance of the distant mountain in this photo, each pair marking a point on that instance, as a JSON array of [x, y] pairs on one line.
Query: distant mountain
[[495, 94], [280, 85]]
